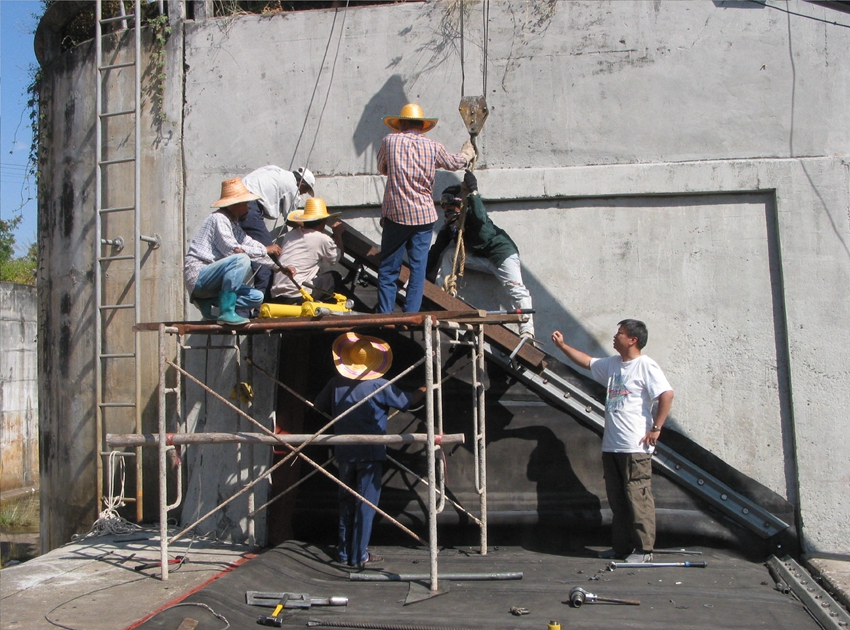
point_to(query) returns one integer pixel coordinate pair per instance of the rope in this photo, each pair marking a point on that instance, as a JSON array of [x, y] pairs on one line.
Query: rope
[[459, 261], [310, 107], [109, 521]]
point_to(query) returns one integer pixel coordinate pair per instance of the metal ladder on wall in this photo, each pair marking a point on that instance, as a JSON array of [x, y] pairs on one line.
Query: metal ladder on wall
[[117, 289]]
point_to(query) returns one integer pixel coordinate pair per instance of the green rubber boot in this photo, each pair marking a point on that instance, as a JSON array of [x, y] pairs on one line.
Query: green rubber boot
[[227, 310], [205, 305]]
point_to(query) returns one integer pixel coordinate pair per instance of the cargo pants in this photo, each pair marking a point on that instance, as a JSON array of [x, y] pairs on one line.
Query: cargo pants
[[628, 483]]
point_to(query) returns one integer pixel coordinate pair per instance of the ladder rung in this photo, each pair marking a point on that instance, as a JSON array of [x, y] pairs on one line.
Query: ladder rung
[[115, 66], [118, 161], [117, 18], [123, 112], [116, 209], [116, 306], [119, 454], [116, 404], [109, 258], [118, 355]]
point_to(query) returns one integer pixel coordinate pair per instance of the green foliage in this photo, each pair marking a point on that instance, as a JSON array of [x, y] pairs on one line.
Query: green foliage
[[23, 269], [20, 512], [160, 30]]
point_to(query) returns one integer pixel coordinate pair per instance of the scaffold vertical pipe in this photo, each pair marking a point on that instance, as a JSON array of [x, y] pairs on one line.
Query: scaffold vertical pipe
[[482, 447], [438, 384], [163, 467], [432, 476], [252, 534]]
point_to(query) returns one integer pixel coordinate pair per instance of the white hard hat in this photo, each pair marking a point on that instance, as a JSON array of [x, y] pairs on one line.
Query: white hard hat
[[308, 178]]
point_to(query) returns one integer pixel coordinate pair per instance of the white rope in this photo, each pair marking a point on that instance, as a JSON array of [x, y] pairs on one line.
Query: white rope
[[109, 521]]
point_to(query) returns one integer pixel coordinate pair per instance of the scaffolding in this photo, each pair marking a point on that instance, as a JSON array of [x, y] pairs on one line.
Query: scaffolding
[[464, 328]]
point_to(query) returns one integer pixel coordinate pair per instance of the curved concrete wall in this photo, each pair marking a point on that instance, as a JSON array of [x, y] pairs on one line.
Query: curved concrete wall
[[679, 162]]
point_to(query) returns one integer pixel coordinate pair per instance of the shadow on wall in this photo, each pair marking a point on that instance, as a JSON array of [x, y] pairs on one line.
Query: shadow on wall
[[370, 128]]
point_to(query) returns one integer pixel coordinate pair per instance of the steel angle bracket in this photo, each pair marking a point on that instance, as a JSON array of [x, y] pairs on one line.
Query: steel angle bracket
[[574, 401], [820, 604], [721, 496], [474, 111], [552, 387]]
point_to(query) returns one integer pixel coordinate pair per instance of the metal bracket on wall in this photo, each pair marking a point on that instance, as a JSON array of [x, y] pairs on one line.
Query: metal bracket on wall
[[578, 403]]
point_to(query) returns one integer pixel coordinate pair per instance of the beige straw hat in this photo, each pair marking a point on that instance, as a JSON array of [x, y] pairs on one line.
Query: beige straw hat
[[411, 111], [314, 210], [233, 191], [360, 357]]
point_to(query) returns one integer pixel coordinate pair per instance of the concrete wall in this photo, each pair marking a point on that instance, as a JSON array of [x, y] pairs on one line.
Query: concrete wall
[[680, 162], [18, 387], [70, 443]]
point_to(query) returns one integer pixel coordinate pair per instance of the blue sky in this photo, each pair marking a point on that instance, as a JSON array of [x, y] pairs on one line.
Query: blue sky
[[17, 25]]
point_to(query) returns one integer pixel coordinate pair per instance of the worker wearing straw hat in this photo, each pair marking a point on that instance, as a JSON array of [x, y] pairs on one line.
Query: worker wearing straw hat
[[305, 249], [410, 160], [278, 194], [361, 362], [218, 263]]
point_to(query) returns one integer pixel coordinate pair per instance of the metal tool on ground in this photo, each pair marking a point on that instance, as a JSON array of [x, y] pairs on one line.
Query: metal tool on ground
[[579, 596], [655, 565], [292, 600], [275, 620], [153, 565], [683, 552]]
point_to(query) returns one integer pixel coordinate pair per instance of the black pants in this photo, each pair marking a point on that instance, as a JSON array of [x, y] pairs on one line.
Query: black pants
[[255, 227]]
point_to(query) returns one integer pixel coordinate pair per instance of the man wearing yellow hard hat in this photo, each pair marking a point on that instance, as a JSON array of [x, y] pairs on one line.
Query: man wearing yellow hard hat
[[305, 249], [410, 161]]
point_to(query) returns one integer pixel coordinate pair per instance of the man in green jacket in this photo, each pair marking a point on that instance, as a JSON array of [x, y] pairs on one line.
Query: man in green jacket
[[489, 249]]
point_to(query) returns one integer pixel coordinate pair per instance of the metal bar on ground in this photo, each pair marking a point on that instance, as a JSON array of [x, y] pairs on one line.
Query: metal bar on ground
[[418, 577]]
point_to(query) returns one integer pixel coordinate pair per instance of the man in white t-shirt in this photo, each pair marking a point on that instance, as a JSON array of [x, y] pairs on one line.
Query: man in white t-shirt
[[303, 252], [636, 406]]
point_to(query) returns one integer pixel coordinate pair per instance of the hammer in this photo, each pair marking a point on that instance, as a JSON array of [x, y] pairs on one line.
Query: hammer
[[578, 596]]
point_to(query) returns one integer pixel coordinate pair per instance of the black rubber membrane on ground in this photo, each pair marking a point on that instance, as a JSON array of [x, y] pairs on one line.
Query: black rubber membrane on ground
[[729, 593]]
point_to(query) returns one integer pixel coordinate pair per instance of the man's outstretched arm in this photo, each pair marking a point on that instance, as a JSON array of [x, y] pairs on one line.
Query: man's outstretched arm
[[576, 356]]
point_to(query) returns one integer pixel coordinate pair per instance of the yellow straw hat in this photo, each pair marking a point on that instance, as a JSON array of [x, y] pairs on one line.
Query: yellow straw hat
[[233, 191], [314, 210], [411, 111], [360, 357]]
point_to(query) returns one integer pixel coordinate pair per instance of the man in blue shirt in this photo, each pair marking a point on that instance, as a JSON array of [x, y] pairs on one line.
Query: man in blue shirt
[[361, 362]]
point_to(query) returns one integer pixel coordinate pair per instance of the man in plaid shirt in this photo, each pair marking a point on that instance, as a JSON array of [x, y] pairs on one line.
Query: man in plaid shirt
[[410, 161], [218, 262]]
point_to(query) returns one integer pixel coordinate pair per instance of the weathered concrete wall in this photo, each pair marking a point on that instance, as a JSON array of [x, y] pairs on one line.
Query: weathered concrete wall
[[677, 162], [684, 163], [70, 445], [18, 387]]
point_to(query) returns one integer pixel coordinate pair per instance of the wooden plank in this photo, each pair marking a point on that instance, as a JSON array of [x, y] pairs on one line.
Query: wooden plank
[[367, 252]]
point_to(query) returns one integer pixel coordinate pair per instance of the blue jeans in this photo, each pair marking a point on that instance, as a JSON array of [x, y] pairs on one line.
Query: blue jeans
[[355, 517], [397, 239], [228, 275]]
